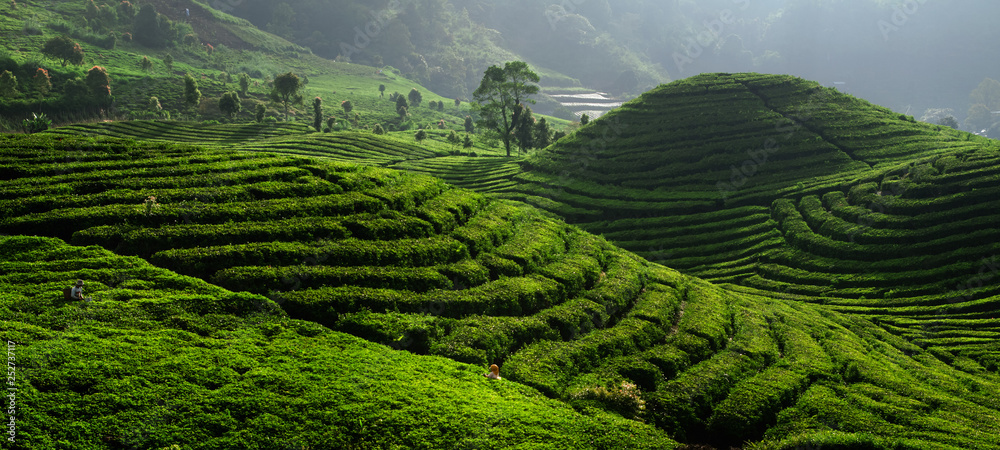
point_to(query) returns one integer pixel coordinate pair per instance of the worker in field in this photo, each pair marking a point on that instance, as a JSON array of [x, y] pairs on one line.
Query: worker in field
[[494, 373], [76, 292]]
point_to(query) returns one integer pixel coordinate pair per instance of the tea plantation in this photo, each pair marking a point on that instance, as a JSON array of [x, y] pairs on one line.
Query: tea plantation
[[777, 185], [159, 359], [259, 287]]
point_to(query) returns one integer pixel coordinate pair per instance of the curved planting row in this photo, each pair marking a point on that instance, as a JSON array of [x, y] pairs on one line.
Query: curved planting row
[[917, 250], [715, 143], [483, 174], [480, 174], [189, 132], [347, 146]]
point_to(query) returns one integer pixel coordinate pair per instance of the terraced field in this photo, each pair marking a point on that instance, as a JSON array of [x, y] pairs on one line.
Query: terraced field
[[851, 254], [185, 132], [650, 356], [779, 186], [483, 174], [158, 360]]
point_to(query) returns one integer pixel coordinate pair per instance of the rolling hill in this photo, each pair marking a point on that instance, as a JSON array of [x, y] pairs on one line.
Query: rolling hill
[[774, 184], [814, 306]]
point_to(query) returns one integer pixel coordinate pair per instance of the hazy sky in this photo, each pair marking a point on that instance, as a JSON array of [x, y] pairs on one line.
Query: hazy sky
[[907, 55]]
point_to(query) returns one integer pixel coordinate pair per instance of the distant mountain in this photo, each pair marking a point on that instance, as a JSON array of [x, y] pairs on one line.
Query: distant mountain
[[906, 55]]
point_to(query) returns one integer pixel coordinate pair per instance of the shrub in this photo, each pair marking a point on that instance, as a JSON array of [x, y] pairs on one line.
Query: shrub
[[154, 105], [37, 124], [42, 82], [400, 101], [151, 28], [318, 113], [192, 95], [8, 84], [244, 83], [259, 113]]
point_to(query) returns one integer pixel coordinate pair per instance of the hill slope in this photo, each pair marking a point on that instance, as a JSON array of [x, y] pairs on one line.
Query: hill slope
[[214, 47], [767, 183], [407, 261], [159, 359], [782, 186]]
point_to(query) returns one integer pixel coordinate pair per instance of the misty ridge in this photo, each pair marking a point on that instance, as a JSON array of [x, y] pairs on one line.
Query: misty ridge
[[908, 55]]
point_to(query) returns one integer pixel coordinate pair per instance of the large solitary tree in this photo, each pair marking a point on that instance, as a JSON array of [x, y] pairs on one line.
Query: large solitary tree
[[499, 95], [63, 48], [287, 86]]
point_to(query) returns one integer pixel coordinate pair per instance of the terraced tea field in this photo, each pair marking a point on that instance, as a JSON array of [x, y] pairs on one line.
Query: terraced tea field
[[650, 356], [194, 133], [846, 262], [159, 360], [483, 174], [776, 185]]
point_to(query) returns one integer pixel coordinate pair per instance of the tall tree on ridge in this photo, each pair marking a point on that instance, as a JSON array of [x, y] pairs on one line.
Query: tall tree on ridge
[[500, 93]]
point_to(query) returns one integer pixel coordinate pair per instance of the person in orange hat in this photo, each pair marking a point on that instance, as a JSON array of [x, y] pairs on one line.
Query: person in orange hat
[[494, 373]]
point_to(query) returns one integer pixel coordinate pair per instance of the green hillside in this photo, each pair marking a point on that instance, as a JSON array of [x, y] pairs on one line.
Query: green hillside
[[212, 46], [159, 359], [777, 185], [597, 347]]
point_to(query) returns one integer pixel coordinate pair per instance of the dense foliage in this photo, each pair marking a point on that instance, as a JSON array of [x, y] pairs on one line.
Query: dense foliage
[[159, 360]]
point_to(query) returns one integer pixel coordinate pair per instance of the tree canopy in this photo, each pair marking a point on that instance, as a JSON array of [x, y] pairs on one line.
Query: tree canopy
[[99, 83], [499, 95], [63, 48], [230, 104]]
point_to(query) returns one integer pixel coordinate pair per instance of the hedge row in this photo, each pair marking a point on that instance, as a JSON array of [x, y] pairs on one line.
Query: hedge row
[[451, 209], [205, 261], [490, 228], [146, 241], [64, 222], [262, 280]]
